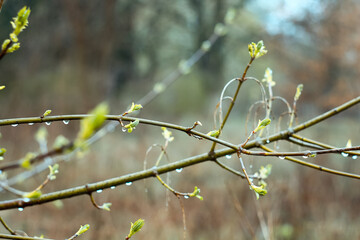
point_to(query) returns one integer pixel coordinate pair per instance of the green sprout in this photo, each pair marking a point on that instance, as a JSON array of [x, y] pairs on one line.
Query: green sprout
[[195, 193], [131, 126], [262, 124], [2, 152], [259, 190], [34, 194], [106, 206], [19, 23], [134, 107], [268, 78], [53, 171], [298, 91], [26, 162], [82, 229], [135, 227], [213, 133], [167, 134], [257, 50], [46, 113]]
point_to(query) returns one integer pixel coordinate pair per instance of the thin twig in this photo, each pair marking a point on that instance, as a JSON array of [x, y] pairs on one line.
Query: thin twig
[[315, 166], [7, 227], [8, 236]]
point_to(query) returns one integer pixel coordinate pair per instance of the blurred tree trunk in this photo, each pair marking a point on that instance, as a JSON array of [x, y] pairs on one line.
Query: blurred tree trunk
[[212, 66]]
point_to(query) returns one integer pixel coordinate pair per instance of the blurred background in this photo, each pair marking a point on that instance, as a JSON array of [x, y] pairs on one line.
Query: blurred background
[[76, 54]]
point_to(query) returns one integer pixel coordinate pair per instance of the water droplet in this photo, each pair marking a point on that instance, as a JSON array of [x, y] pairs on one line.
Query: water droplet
[[179, 170], [99, 191], [277, 147], [305, 156], [66, 122], [344, 154], [186, 197], [30, 124], [251, 166], [48, 123], [128, 183], [26, 200], [14, 125], [123, 129], [112, 187], [268, 141], [282, 157], [354, 157], [20, 209], [228, 156]]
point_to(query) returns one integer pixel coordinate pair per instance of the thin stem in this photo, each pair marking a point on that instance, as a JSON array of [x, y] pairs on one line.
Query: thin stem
[[300, 153], [8, 236], [232, 103], [93, 201], [7, 227], [315, 166], [227, 168], [320, 144]]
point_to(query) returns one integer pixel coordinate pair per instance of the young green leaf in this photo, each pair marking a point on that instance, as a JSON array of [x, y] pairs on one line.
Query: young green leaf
[[82, 229], [135, 227], [34, 194], [213, 133], [167, 134], [298, 91], [262, 124], [268, 78], [106, 206]]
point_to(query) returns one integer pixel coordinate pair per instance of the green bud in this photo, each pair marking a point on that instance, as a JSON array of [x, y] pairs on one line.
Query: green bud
[[213, 133], [230, 16], [2, 151], [184, 67], [46, 113], [134, 107], [257, 50], [159, 87], [106, 206], [259, 190], [135, 227], [13, 48], [5, 44], [41, 135], [262, 124], [268, 78], [13, 37], [298, 91], [131, 126], [220, 29], [26, 162], [195, 193], [206, 45], [82, 229], [264, 172], [60, 141], [34, 194], [53, 171], [167, 134]]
